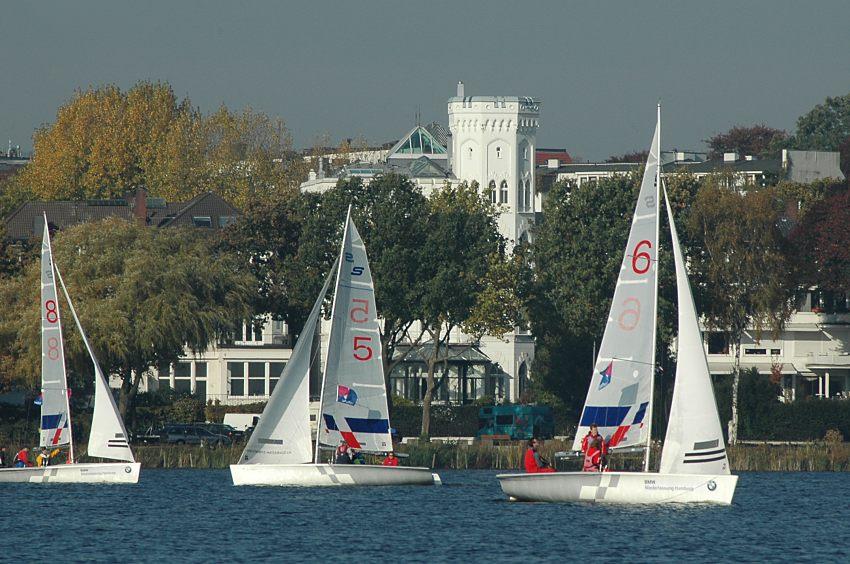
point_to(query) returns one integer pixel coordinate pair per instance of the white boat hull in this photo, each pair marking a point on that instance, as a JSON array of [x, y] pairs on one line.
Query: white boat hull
[[90, 473], [620, 487], [329, 475]]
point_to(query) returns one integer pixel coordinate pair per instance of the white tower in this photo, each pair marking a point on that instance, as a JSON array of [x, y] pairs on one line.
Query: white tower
[[493, 142], [493, 139]]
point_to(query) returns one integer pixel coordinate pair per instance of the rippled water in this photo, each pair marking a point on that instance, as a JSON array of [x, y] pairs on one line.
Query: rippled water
[[197, 515]]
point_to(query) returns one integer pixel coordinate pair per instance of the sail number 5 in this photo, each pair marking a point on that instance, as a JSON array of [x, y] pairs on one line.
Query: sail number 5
[[359, 314], [362, 352], [643, 256], [51, 314]]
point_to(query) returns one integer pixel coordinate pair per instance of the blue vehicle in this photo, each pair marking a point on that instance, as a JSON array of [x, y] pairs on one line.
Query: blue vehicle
[[516, 422]]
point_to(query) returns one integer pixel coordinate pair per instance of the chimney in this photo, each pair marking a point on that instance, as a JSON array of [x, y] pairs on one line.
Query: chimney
[[730, 157], [140, 206], [460, 89]]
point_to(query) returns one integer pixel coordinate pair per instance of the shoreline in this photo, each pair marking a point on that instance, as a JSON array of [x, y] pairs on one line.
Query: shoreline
[[807, 457]]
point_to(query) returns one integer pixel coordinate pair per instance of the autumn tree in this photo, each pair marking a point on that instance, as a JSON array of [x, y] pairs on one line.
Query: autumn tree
[[144, 296], [758, 140], [105, 142], [740, 265], [822, 244]]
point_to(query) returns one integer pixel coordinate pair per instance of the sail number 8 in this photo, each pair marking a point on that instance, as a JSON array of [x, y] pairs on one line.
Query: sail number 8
[[643, 256], [51, 314]]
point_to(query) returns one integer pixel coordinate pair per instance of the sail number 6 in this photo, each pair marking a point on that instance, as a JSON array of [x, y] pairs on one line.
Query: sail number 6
[[365, 351], [630, 316], [643, 256]]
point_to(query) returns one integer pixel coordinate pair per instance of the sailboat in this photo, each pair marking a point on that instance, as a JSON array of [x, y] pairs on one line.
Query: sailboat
[[108, 438], [353, 401], [694, 467]]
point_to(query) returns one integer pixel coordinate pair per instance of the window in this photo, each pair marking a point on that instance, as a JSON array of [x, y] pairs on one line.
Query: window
[[201, 221], [504, 420], [775, 352], [520, 197], [164, 376], [503, 192], [275, 373], [201, 379], [258, 330], [256, 378], [182, 377], [718, 343], [492, 188], [498, 152], [755, 351], [469, 153], [236, 378], [529, 205]]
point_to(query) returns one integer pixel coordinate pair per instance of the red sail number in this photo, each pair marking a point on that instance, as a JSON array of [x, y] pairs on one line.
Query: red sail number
[[365, 351], [52, 315], [359, 314], [630, 316], [643, 255]]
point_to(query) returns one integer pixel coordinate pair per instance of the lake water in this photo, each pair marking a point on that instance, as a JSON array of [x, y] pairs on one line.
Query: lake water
[[198, 516]]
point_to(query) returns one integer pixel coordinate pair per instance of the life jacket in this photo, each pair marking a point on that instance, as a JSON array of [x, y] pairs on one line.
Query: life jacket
[[390, 461]]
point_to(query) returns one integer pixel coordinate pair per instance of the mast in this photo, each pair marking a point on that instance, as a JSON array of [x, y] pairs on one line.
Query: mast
[[655, 301], [320, 419]]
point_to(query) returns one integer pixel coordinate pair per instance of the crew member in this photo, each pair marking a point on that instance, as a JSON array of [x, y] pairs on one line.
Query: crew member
[[22, 459], [595, 450], [534, 463], [390, 460], [43, 458], [342, 456]]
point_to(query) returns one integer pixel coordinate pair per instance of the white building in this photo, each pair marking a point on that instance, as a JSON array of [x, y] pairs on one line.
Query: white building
[[491, 140]]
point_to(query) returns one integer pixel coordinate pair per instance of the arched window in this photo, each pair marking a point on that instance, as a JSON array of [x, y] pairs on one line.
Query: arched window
[[492, 189], [520, 202], [498, 152], [503, 192], [469, 154], [529, 205]]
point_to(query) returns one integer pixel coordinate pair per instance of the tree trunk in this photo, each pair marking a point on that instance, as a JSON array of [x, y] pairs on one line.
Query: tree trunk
[[736, 379], [127, 395], [430, 386]]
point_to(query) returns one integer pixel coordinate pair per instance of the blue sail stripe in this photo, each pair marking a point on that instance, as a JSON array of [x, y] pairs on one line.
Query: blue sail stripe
[[641, 413], [358, 425], [604, 416], [52, 421]]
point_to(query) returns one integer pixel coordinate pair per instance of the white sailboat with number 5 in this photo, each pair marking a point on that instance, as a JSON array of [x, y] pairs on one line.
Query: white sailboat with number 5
[[108, 438], [354, 407], [694, 467]]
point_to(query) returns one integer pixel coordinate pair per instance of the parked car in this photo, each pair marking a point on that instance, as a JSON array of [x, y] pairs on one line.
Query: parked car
[[192, 434], [221, 429]]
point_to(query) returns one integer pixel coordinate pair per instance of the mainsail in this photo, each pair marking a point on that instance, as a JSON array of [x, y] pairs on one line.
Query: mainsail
[[620, 392], [282, 436], [694, 442], [354, 399], [108, 438], [55, 410]]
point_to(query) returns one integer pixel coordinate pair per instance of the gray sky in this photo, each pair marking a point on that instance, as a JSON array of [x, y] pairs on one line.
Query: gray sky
[[363, 67]]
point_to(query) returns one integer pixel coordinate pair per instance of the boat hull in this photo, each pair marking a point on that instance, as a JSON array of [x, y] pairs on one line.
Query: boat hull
[[90, 473], [620, 487], [329, 475]]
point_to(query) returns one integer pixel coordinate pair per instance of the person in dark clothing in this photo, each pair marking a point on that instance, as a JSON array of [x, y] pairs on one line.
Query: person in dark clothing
[[533, 462], [342, 455], [3, 460]]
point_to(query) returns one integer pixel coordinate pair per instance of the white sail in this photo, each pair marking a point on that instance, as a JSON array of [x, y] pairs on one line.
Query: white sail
[[354, 399], [282, 435], [620, 392], [108, 438], [694, 442], [55, 410]]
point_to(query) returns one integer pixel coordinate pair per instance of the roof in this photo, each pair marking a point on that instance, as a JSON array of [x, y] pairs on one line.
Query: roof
[[597, 167], [755, 165], [26, 221], [457, 353], [542, 156], [421, 167], [418, 141]]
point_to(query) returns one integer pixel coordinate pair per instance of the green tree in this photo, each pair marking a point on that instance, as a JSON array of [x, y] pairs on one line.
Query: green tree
[[742, 265], [143, 296], [461, 244]]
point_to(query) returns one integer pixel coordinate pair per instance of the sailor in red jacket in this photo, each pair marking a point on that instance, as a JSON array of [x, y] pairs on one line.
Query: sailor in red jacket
[[22, 459], [534, 463], [594, 448], [390, 460]]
